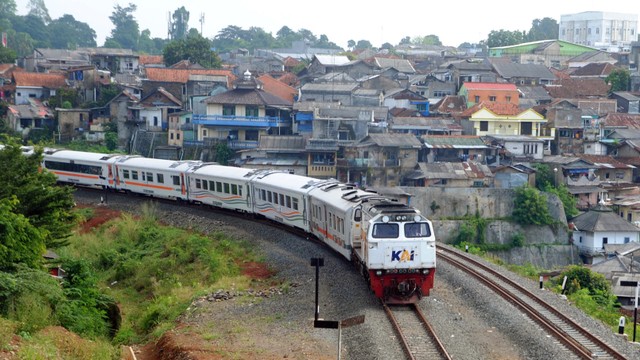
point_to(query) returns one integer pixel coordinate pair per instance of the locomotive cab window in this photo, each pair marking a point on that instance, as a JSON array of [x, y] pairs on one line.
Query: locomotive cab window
[[357, 215], [385, 231], [417, 230], [176, 179]]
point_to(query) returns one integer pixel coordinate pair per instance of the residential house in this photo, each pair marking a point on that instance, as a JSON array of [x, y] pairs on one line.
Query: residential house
[[580, 178], [46, 60], [610, 169], [454, 148], [407, 99], [114, 60], [531, 96], [470, 70], [402, 65], [379, 159], [514, 176], [627, 102], [628, 207], [517, 147], [324, 64], [180, 128], [186, 84], [450, 174], [340, 123], [432, 88], [571, 128], [154, 109], [593, 70], [581, 88], [600, 226], [522, 74], [72, 124], [32, 115], [550, 53], [322, 158], [7, 87], [420, 125], [589, 57], [277, 152], [450, 106], [36, 86], [476, 93], [620, 268], [341, 93], [487, 118], [239, 116]]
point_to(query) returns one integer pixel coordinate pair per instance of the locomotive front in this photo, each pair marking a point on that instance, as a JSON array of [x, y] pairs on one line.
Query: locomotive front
[[400, 255]]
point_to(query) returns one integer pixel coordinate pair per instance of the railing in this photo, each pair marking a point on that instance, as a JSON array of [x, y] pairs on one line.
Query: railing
[[233, 120], [241, 145], [365, 162]]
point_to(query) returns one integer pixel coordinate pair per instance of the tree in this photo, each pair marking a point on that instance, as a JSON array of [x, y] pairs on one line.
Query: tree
[[20, 242], [180, 24], [7, 9], [70, 33], [351, 44], [194, 48], [7, 55], [619, 80], [530, 207], [427, 40], [46, 205], [231, 37], [126, 31], [363, 44], [504, 38], [38, 9], [544, 29]]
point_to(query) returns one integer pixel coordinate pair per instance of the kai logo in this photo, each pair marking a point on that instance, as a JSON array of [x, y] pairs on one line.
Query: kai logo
[[402, 255]]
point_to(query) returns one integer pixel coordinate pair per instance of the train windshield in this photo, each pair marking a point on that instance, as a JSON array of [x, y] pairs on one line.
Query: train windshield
[[385, 230], [417, 230]]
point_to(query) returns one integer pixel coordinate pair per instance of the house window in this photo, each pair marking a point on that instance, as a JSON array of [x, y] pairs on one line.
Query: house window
[[171, 136], [629, 218], [155, 121], [204, 132], [492, 98], [597, 30], [251, 111], [178, 136], [605, 241], [251, 135], [477, 98], [228, 110], [626, 240], [484, 126]]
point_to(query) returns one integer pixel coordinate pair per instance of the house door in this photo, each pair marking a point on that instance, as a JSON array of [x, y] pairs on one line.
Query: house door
[[526, 128]]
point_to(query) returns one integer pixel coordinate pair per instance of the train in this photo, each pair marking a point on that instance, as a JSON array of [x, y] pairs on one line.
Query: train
[[390, 243]]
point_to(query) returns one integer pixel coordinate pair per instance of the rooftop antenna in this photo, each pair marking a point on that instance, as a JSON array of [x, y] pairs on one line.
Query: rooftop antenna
[[169, 26], [201, 23]]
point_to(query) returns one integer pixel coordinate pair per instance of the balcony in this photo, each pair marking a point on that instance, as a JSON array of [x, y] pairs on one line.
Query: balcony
[[239, 121], [242, 145], [367, 163]]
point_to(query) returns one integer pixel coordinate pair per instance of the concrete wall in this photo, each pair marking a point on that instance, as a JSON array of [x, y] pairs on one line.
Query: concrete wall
[[545, 246]]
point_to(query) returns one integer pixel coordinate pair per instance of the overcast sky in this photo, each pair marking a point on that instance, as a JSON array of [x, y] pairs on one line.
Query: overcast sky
[[453, 22]]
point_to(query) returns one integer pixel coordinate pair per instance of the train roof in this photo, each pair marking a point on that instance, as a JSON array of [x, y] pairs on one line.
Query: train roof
[[157, 164], [221, 171], [59, 154], [342, 195], [283, 180]]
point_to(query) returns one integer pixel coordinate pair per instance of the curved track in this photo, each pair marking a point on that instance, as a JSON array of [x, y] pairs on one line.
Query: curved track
[[575, 338], [419, 341]]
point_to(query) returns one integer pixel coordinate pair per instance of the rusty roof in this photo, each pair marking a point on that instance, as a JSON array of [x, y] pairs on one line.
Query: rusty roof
[[630, 121], [182, 75], [594, 69], [278, 88], [150, 59], [51, 81], [578, 88], [605, 161]]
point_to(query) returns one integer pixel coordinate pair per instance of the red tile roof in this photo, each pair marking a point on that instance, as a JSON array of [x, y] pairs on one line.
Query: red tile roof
[[150, 59], [182, 75], [51, 81], [489, 86], [604, 159], [578, 88], [496, 108], [629, 121], [277, 88]]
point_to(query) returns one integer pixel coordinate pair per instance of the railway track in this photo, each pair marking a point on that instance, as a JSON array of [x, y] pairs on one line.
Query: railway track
[[578, 340], [419, 341]]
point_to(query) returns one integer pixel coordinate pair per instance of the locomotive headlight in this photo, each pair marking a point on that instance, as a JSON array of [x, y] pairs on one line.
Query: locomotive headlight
[[425, 271], [416, 218], [385, 219]]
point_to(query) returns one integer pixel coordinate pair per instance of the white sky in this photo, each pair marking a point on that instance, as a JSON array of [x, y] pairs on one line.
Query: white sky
[[344, 20]]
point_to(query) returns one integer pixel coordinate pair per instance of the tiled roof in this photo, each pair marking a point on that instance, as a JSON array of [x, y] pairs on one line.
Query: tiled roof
[[451, 170], [289, 79], [290, 62], [602, 219], [182, 75], [277, 87], [489, 86], [51, 81], [509, 70], [578, 88], [150, 59], [496, 108], [451, 104], [401, 65], [594, 69], [394, 140], [248, 97]]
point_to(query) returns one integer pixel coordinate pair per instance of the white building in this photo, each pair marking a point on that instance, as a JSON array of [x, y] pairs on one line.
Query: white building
[[607, 31]]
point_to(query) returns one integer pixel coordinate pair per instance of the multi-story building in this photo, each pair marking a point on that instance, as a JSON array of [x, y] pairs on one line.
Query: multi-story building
[[603, 30]]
